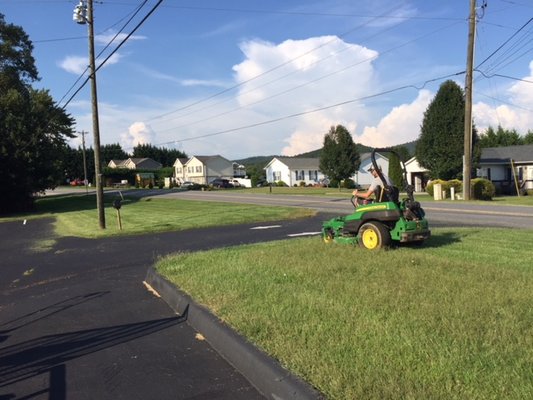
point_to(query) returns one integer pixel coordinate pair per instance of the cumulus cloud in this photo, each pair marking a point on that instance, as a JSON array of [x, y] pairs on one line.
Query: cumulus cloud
[[400, 125], [138, 133], [78, 65], [302, 77], [74, 64], [515, 115]]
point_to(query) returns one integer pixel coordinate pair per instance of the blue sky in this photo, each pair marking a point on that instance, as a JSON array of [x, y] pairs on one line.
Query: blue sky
[[247, 78]]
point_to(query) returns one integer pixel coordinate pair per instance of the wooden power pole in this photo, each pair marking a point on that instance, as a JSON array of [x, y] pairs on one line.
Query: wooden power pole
[[467, 161], [96, 126]]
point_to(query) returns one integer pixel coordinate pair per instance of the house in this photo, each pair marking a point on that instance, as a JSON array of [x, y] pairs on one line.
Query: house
[[497, 164], [136, 163], [203, 169], [179, 169], [417, 176], [364, 178], [292, 170]]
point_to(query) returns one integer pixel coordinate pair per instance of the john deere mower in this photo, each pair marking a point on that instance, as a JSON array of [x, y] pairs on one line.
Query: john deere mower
[[383, 222]]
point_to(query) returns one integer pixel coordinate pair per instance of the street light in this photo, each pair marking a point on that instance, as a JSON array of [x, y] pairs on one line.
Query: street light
[[83, 14]]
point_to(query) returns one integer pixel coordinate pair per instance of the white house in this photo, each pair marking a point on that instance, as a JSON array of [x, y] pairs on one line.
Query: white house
[[293, 170], [179, 169], [203, 169], [364, 178], [417, 176], [497, 163]]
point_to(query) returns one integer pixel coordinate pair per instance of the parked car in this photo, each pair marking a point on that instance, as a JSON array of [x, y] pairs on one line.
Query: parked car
[[235, 183], [221, 183], [187, 184], [77, 182]]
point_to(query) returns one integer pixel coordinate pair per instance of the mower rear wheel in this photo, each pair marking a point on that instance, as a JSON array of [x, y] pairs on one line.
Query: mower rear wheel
[[327, 235], [374, 236]]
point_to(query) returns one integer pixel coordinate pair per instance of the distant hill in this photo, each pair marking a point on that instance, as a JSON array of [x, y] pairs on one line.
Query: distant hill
[[262, 161]]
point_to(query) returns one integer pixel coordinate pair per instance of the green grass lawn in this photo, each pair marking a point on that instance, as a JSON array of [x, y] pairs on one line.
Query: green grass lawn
[[450, 320], [77, 216]]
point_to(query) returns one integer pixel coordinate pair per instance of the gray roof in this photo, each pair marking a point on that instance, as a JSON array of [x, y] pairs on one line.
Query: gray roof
[[300, 163], [522, 154]]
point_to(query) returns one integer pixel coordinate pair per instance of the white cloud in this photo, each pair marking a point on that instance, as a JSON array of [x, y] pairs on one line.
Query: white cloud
[[515, 115], [298, 77], [138, 133], [78, 65], [400, 125], [74, 64], [109, 37]]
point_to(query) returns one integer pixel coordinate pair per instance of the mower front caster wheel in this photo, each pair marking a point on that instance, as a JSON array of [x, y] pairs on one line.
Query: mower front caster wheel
[[373, 236]]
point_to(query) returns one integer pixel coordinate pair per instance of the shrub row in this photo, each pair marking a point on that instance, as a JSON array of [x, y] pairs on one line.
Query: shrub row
[[480, 189]]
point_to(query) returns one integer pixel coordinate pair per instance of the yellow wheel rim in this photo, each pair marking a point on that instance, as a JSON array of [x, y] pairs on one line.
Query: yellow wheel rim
[[370, 239], [328, 237]]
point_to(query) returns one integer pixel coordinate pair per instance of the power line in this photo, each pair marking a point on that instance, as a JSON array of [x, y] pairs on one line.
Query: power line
[[100, 53], [115, 50], [261, 74], [298, 114], [310, 82]]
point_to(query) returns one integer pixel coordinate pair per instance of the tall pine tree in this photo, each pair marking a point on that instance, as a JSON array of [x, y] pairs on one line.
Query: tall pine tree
[[440, 146]]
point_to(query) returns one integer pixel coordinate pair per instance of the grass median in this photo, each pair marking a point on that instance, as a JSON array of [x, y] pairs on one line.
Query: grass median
[[450, 320], [76, 215]]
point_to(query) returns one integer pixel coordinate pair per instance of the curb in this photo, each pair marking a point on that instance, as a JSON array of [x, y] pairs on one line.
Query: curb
[[262, 371]]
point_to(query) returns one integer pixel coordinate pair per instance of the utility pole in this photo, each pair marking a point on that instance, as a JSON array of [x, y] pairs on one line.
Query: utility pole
[[83, 14], [467, 161], [84, 162]]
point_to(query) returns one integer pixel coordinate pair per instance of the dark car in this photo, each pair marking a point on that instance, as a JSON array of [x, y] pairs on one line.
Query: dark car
[[221, 183]]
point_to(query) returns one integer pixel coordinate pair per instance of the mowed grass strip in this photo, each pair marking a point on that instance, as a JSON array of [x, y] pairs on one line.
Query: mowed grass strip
[[77, 215], [450, 320]]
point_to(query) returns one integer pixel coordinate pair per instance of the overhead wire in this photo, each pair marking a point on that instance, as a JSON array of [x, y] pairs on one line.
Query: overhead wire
[[311, 81], [265, 72], [102, 51], [115, 50]]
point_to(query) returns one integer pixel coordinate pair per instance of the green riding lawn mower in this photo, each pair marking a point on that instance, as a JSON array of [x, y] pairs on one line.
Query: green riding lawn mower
[[383, 222]]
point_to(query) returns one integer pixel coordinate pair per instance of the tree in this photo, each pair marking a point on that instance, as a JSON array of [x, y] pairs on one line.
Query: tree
[[528, 139], [339, 158], [500, 138], [33, 129], [395, 170], [163, 155], [440, 146]]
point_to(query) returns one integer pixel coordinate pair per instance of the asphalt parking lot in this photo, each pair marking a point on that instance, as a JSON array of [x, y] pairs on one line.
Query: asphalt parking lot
[[78, 323]]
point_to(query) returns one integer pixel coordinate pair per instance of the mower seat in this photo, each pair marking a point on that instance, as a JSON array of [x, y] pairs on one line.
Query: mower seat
[[393, 194]]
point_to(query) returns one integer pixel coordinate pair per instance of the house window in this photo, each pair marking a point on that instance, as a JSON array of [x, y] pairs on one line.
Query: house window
[[488, 174], [277, 176], [178, 170], [313, 175], [199, 169]]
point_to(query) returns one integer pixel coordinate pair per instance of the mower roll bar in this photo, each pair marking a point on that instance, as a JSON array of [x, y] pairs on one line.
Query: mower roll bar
[[408, 188]]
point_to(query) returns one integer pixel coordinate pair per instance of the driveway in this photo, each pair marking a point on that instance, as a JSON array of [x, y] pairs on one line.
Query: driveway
[[78, 323]]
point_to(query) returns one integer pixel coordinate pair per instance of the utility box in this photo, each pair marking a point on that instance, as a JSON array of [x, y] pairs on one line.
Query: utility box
[[437, 191]]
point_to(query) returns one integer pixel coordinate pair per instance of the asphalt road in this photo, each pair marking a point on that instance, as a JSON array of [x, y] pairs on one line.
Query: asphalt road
[[439, 214], [77, 322]]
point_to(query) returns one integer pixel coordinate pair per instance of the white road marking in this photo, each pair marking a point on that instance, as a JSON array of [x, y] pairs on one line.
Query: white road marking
[[304, 234], [266, 227]]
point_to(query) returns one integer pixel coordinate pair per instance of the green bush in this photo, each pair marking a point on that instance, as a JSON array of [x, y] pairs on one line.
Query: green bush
[[280, 183], [302, 184], [348, 184], [429, 187], [457, 185], [482, 189]]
